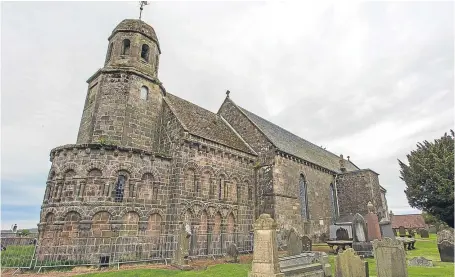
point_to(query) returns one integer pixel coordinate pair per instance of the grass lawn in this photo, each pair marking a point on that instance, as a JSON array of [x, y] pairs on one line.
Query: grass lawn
[[17, 256], [424, 247]]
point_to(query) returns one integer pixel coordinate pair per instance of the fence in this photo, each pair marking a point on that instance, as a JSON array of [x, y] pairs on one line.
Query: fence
[[50, 252]]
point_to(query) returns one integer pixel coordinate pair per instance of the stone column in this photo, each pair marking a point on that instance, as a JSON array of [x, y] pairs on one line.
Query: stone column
[[265, 255], [59, 190], [48, 191]]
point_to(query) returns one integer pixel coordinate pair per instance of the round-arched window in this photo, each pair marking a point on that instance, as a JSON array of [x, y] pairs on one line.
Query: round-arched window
[[144, 93]]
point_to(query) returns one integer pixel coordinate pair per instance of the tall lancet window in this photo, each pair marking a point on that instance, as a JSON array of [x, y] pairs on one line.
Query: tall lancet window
[[333, 202], [303, 198]]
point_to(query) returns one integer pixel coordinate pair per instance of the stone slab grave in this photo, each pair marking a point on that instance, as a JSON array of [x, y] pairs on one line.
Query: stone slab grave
[[348, 264], [308, 264], [420, 261], [446, 245], [265, 254], [390, 258], [360, 234], [424, 234]]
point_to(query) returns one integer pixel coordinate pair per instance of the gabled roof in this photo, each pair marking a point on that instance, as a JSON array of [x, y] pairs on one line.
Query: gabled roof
[[408, 221], [296, 146], [206, 124]]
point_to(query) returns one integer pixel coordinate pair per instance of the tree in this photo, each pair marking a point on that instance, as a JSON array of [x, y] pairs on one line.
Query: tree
[[429, 177], [24, 233]]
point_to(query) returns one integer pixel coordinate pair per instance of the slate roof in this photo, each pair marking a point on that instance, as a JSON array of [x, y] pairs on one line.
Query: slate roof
[[206, 124], [408, 221], [296, 146]]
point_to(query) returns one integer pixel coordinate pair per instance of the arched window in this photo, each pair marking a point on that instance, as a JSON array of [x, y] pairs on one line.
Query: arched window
[[145, 52], [120, 188], [303, 198], [144, 93], [109, 51], [126, 47], [333, 202]]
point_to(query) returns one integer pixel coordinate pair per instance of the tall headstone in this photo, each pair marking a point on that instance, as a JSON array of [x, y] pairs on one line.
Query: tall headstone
[[348, 264], [402, 231], [183, 245], [446, 245], [373, 227], [360, 236], [390, 258], [265, 255], [294, 243], [359, 229]]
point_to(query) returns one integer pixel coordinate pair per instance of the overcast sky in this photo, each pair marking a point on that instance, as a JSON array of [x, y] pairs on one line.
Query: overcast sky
[[366, 80]]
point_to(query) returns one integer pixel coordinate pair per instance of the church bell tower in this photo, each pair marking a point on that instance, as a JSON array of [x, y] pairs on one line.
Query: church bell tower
[[124, 98]]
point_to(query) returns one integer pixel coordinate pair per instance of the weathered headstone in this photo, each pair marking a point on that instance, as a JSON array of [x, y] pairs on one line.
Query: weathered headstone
[[424, 234], [233, 251], [411, 232], [359, 229], [432, 229], [373, 226], [342, 234], [314, 264], [446, 245], [307, 244], [323, 237], [294, 243], [348, 264], [386, 229], [183, 245], [395, 232], [402, 231], [390, 258], [265, 255], [420, 261]]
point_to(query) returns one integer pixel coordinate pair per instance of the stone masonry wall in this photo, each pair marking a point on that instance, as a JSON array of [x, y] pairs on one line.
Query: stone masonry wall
[[119, 115], [355, 189], [286, 191], [79, 203]]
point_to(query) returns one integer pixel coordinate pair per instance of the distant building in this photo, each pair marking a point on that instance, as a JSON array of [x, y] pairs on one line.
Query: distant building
[[408, 221]]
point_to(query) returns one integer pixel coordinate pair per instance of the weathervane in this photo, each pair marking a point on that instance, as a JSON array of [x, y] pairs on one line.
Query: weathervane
[[142, 3]]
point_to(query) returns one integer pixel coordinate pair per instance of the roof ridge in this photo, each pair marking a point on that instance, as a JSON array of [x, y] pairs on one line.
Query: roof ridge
[[335, 155]]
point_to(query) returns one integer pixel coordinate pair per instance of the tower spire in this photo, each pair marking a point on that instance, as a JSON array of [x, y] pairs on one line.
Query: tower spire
[[142, 3]]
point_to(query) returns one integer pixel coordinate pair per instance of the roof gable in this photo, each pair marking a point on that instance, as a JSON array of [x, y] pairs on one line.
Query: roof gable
[[408, 221], [206, 124]]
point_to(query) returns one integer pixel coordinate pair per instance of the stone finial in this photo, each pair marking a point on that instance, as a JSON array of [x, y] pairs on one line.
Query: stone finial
[[370, 207], [227, 93], [265, 222], [348, 158]]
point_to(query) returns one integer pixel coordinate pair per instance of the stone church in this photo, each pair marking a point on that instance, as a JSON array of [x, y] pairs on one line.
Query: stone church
[[147, 162]]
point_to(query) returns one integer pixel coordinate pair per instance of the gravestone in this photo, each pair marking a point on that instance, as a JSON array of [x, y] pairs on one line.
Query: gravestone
[[294, 244], [446, 245], [390, 258], [307, 244], [233, 251], [394, 232], [420, 261], [309, 264], [374, 232], [348, 264], [360, 235], [323, 237], [432, 229], [411, 233], [183, 245], [359, 229], [342, 234], [265, 254], [402, 231], [424, 234], [386, 229]]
